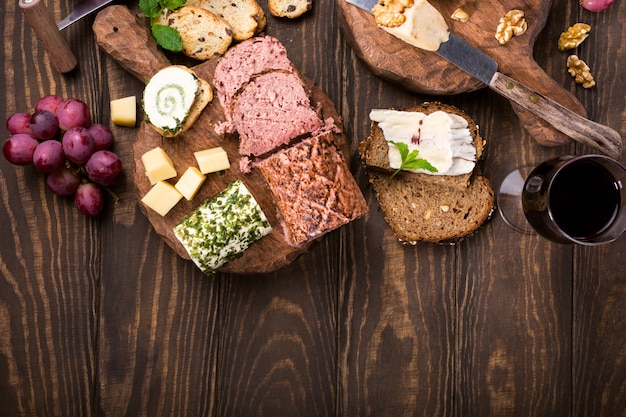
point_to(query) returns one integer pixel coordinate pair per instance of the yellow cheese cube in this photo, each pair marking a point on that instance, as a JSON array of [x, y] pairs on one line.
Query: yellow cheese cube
[[162, 197], [190, 182], [212, 160], [124, 111], [158, 165]]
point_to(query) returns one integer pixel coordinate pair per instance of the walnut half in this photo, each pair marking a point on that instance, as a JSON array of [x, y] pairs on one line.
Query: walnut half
[[460, 15], [388, 13], [512, 24], [580, 71], [573, 36]]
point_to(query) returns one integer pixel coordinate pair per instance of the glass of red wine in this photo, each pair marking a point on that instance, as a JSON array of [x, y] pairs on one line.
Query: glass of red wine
[[567, 199]]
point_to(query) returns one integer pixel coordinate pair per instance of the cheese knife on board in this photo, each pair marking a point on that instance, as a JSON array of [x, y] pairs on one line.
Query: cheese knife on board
[[42, 22], [484, 68]]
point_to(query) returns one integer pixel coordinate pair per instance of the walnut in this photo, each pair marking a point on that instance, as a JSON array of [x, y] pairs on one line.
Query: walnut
[[460, 15], [573, 36], [580, 71], [388, 13], [512, 24]]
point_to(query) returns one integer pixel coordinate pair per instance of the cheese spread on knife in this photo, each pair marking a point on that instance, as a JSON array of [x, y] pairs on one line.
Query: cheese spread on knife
[[443, 139], [416, 22]]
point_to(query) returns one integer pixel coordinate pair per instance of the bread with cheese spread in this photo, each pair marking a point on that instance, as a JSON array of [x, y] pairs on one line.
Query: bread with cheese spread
[[428, 208]]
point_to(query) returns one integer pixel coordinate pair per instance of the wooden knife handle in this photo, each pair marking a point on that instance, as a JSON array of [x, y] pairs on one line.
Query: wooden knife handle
[[582, 130], [42, 21], [129, 42]]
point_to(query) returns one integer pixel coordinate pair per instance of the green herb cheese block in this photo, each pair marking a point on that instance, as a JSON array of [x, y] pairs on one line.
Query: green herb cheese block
[[221, 228]]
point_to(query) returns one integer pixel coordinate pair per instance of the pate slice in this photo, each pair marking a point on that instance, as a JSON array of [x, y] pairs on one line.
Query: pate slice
[[222, 228]]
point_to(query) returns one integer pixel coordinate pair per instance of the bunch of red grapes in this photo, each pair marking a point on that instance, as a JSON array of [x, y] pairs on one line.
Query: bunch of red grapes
[[60, 140]]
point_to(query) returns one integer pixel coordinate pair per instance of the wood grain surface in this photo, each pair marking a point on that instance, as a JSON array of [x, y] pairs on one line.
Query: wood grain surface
[[100, 317]]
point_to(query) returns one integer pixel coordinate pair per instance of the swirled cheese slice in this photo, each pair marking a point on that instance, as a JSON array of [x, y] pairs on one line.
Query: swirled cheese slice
[[168, 97], [441, 138]]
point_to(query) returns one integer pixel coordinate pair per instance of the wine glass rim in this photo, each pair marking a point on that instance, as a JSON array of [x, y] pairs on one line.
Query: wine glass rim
[[568, 160]]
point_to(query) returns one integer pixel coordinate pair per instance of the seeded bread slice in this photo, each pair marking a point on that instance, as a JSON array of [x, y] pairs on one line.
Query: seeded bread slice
[[375, 151], [245, 17], [289, 8], [419, 211], [205, 35]]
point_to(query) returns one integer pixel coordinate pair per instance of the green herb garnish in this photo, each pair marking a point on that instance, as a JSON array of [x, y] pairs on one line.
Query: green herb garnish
[[410, 160], [167, 37]]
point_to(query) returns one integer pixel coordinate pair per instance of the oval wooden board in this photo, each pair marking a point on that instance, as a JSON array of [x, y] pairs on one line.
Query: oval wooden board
[[268, 254], [426, 72], [127, 42]]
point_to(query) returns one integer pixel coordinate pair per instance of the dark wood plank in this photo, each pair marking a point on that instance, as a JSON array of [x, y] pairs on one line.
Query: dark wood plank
[[48, 286]]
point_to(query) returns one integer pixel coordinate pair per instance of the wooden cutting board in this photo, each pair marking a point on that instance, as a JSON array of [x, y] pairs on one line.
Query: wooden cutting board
[[425, 72], [127, 41]]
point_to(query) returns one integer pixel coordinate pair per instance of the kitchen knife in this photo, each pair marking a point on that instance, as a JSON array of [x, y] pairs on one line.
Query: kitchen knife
[[41, 20], [485, 69], [82, 9]]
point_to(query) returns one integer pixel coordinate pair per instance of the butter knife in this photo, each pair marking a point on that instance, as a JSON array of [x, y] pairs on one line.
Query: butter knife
[[41, 20], [484, 68]]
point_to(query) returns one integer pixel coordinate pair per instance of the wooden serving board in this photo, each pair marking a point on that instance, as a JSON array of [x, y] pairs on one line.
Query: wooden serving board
[[127, 41], [426, 72]]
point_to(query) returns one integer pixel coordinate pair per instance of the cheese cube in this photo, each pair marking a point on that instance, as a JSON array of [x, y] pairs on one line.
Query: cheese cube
[[124, 111], [162, 197], [158, 165], [190, 182], [212, 160]]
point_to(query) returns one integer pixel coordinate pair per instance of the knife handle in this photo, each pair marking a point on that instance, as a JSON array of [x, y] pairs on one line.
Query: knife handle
[[42, 22], [582, 130]]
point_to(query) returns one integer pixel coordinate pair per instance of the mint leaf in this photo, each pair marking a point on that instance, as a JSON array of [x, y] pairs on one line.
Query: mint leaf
[[410, 160], [167, 37], [173, 4], [151, 8]]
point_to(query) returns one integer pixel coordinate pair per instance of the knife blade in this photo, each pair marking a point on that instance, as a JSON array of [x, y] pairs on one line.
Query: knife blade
[[484, 68], [82, 9]]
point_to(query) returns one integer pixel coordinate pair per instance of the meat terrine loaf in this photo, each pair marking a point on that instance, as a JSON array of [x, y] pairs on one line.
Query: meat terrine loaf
[[271, 110], [222, 228], [313, 188], [245, 60]]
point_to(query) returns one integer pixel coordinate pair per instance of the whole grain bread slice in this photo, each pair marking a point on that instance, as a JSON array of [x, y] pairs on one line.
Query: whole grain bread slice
[[375, 151], [245, 17], [421, 211]]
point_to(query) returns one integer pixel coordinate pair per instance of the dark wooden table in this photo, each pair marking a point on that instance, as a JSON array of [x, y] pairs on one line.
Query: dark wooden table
[[100, 317]]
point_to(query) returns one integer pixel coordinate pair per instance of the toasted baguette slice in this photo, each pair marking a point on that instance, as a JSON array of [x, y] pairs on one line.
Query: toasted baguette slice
[[245, 17], [205, 35], [375, 151], [289, 8], [420, 211], [204, 96]]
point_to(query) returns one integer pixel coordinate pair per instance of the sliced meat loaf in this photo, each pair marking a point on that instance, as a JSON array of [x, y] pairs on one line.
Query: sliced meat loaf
[[271, 110], [245, 60], [313, 188]]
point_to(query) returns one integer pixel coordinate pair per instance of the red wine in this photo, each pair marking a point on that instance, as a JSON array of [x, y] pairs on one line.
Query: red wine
[[584, 199]]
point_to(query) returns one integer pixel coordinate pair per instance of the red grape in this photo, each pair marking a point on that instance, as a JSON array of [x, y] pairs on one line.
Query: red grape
[[19, 123], [44, 124], [102, 136], [78, 144], [89, 199], [596, 5], [50, 103], [104, 168], [73, 113], [48, 156], [64, 181], [18, 149]]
